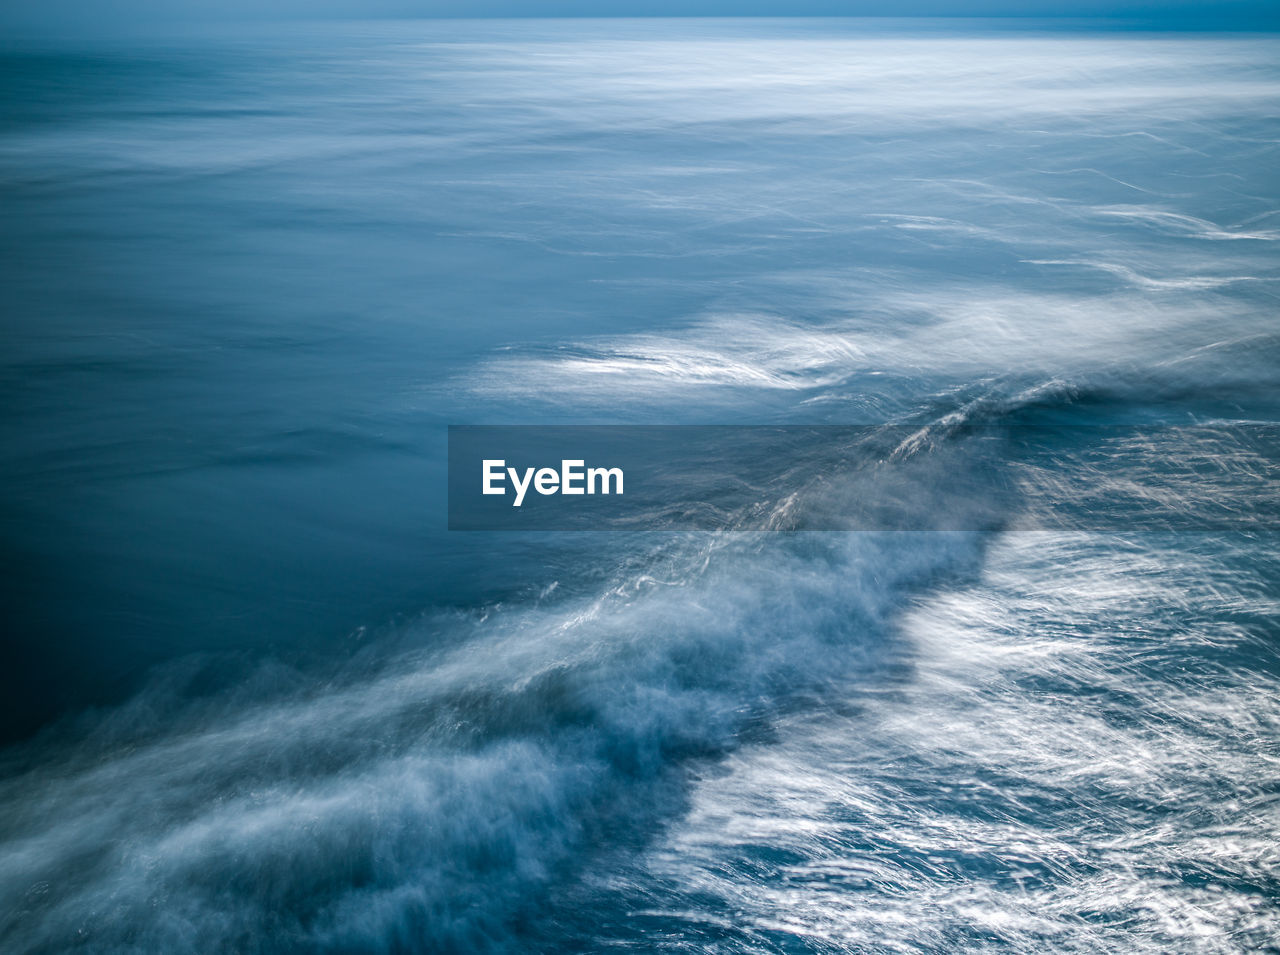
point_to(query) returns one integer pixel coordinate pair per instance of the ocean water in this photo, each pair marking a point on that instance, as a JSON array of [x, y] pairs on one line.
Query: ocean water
[[257, 698]]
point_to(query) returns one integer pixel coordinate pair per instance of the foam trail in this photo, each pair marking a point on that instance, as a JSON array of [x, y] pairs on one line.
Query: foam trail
[[1004, 795], [253, 275], [433, 802]]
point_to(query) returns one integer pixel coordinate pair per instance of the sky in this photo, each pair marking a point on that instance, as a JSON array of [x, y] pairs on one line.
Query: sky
[[69, 14]]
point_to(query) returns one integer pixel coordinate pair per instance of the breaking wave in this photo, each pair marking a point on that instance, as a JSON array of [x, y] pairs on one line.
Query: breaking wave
[[746, 742]]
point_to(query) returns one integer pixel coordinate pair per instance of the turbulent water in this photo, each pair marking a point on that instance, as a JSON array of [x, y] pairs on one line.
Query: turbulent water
[[258, 700]]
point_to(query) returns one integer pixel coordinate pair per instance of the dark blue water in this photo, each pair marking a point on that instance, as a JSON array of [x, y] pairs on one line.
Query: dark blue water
[[257, 697]]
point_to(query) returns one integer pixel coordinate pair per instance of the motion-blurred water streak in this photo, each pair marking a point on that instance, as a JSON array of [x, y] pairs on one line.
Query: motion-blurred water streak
[[249, 278]]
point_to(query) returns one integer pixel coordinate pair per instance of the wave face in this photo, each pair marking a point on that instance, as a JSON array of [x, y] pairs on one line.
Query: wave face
[[260, 702]]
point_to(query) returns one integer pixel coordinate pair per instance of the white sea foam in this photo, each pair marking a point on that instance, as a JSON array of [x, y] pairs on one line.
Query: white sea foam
[[1075, 761], [736, 743], [951, 334], [433, 798]]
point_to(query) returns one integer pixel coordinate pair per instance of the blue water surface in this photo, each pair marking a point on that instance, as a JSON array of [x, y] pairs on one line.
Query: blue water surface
[[257, 698]]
